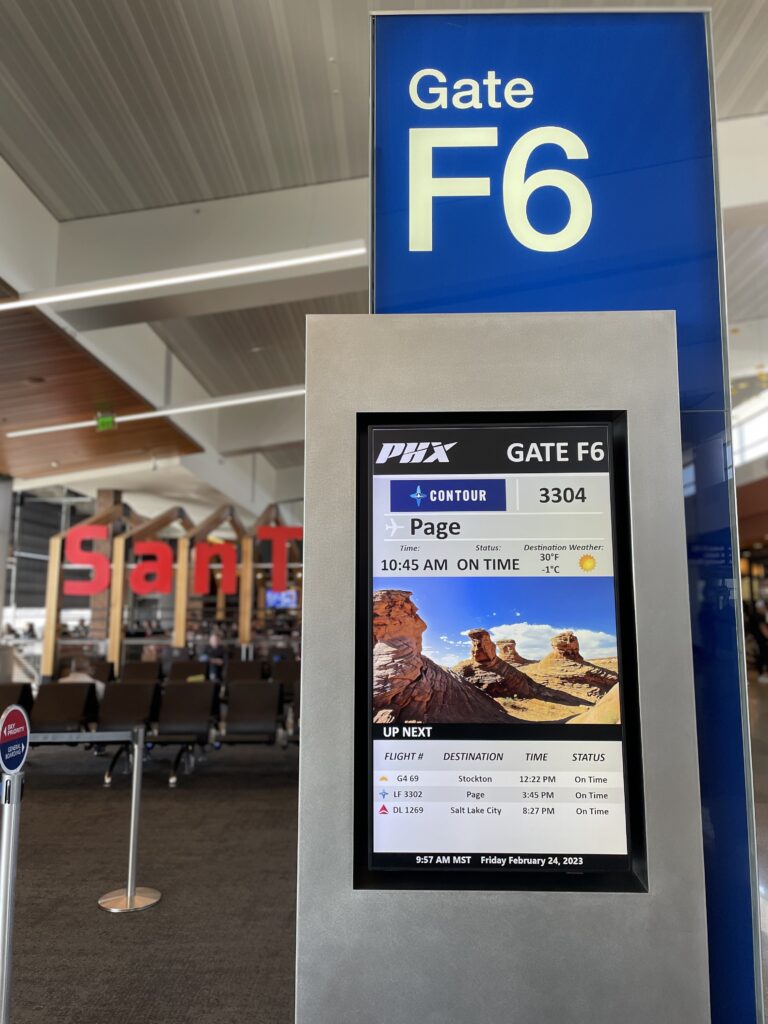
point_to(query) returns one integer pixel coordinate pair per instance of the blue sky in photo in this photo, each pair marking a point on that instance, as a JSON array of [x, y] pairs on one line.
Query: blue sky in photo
[[528, 610]]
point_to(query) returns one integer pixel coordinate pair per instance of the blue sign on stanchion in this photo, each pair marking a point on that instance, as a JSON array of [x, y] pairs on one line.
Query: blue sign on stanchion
[[565, 162], [14, 739]]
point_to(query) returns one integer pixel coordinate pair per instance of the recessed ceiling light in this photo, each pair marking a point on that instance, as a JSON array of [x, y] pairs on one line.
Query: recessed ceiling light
[[257, 348], [236, 268], [54, 464]]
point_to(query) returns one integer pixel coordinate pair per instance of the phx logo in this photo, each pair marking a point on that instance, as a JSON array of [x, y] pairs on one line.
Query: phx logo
[[415, 451]]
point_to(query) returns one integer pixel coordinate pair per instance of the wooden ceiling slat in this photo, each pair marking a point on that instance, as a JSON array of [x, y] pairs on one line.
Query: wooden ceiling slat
[[48, 378]]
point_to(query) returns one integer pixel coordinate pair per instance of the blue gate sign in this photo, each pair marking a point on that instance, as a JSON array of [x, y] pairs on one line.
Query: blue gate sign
[[564, 162]]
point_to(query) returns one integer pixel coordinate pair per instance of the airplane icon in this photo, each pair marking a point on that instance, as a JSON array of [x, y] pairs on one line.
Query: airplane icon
[[418, 495], [392, 527], [383, 794]]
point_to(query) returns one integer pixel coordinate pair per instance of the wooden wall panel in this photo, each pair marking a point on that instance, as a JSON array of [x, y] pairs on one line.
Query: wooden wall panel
[[47, 378]]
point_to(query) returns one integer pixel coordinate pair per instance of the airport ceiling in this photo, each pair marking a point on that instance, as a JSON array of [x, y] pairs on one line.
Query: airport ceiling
[[110, 106], [250, 349]]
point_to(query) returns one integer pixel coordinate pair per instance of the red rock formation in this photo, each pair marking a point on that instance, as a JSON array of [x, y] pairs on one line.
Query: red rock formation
[[490, 673], [507, 651], [564, 666], [408, 687], [607, 711], [566, 645]]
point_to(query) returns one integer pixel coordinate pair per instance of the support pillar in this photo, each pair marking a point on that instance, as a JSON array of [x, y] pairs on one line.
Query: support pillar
[[99, 627]]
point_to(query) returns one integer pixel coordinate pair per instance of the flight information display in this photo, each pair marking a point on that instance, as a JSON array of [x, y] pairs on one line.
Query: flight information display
[[494, 675]]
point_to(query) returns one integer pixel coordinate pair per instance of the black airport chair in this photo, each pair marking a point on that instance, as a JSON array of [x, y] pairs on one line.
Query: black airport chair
[[287, 674], [244, 672], [180, 671], [187, 713], [64, 707], [140, 672], [254, 714], [100, 670], [293, 717], [125, 706], [16, 693]]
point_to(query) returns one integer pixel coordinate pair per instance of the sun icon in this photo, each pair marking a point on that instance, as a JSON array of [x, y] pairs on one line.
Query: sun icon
[[587, 563]]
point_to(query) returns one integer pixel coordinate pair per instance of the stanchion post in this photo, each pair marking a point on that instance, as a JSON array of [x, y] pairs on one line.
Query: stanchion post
[[14, 747], [130, 898], [9, 844]]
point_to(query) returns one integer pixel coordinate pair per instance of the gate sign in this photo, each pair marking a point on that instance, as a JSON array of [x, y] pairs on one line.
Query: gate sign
[[561, 162], [14, 739]]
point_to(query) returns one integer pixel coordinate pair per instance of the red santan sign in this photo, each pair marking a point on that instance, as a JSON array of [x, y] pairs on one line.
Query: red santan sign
[[154, 575]]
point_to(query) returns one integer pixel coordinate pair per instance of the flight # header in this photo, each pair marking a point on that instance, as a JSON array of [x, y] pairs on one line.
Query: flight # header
[[490, 449]]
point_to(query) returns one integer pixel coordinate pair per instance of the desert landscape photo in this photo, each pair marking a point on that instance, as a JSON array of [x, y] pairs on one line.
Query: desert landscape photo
[[427, 668]]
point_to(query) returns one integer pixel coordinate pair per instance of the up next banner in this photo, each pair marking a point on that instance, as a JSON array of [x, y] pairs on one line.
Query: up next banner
[[563, 162]]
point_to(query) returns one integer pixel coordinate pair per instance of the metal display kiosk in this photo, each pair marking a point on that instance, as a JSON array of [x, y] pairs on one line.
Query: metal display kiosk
[[429, 437]]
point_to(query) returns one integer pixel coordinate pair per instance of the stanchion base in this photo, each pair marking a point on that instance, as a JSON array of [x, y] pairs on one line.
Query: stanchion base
[[116, 902]]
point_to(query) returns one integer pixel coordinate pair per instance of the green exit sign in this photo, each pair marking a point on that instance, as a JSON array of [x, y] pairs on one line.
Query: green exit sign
[[105, 421]]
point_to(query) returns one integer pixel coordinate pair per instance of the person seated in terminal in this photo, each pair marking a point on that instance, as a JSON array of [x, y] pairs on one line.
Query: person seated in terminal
[[30, 633], [214, 656]]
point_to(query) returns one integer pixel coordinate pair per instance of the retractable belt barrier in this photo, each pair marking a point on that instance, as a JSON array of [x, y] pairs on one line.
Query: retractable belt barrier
[[131, 897]]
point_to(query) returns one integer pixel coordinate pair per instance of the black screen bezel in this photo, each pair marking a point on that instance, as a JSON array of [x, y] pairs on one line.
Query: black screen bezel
[[635, 877]]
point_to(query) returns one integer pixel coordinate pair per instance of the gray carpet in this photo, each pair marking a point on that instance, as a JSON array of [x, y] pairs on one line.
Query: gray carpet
[[219, 947]]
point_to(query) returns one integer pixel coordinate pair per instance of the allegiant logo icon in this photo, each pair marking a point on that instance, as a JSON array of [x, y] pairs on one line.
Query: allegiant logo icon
[[415, 451]]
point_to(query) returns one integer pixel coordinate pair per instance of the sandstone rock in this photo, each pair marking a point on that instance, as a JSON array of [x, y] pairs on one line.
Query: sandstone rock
[[566, 645], [565, 667], [495, 676], [507, 650], [607, 711], [407, 686], [490, 673]]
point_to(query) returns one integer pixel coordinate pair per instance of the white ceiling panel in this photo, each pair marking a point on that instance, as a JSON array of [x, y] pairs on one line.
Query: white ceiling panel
[[285, 456], [746, 273], [251, 349], [116, 105]]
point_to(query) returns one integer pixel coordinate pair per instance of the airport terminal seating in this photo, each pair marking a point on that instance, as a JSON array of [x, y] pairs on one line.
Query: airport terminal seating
[[182, 670], [64, 707], [125, 706], [101, 670], [98, 669], [254, 714], [187, 715], [140, 672], [16, 693], [244, 672], [294, 718], [287, 673]]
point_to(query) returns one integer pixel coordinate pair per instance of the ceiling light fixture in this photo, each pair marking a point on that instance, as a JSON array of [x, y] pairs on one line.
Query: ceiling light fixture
[[228, 402], [328, 254]]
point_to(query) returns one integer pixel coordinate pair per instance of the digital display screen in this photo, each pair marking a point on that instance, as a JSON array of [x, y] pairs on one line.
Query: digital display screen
[[282, 599], [495, 666]]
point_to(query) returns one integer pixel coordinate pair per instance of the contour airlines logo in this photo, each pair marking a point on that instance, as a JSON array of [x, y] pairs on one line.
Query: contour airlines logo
[[452, 495], [414, 451]]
